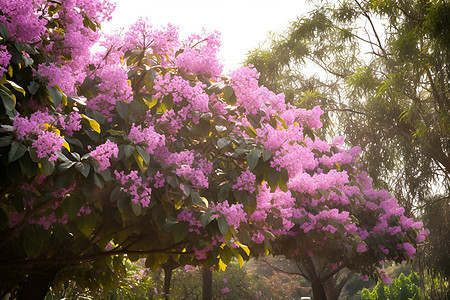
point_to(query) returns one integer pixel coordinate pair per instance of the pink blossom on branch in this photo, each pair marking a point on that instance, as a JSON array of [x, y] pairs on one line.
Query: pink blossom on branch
[[103, 154], [5, 57], [48, 144]]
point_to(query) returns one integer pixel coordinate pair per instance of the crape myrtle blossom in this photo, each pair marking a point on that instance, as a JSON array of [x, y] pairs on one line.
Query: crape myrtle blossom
[[142, 35], [22, 20], [48, 143], [134, 185], [5, 57], [103, 154], [60, 75], [146, 136], [42, 128], [200, 54], [113, 87]]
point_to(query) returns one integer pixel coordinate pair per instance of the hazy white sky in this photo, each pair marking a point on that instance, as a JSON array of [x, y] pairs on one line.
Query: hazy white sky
[[243, 23]]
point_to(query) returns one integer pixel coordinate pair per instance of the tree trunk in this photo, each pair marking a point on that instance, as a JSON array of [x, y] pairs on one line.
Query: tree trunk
[[318, 290], [37, 284], [314, 278], [167, 278], [206, 284]]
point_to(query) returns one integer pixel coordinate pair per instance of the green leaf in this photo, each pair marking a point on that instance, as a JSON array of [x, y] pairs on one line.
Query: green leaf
[[206, 218], [308, 132], [151, 262], [28, 167], [5, 141], [230, 96], [17, 151], [284, 176], [144, 154], [187, 190], [55, 95], [253, 158], [128, 150], [16, 87], [27, 61], [98, 181], [196, 199], [228, 91], [73, 141], [324, 193], [122, 109], [47, 166], [223, 225], [223, 142], [106, 175], [32, 245], [223, 191], [8, 102], [86, 223], [91, 122], [115, 194], [238, 256], [274, 175], [226, 254], [4, 31], [283, 122], [137, 208], [65, 166], [122, 204], [84, 168], [180, 231], [266, 155], [216, 88]]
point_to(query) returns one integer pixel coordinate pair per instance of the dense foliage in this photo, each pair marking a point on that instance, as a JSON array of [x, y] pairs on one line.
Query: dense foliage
[[142, 148]]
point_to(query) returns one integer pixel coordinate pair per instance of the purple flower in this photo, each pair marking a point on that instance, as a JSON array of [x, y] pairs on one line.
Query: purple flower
[[48, 143], [103, 154]]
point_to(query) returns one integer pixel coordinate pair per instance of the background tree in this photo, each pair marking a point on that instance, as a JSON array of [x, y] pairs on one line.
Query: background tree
[[382, 76]]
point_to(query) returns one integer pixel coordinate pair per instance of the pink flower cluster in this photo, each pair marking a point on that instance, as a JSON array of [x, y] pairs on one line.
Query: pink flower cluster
[[48, 143], [187, 99], [246, 181], [5, 57], [133, 184], [113, 87], [147, 136], [234, 213], [41, 127], [21, 19], [60, 75], [188, 217], [103, 153], [189, 166], [200, 55], [143, 36]]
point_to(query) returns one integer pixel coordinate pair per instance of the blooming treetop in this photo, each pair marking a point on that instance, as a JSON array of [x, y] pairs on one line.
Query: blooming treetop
[[144, 148]]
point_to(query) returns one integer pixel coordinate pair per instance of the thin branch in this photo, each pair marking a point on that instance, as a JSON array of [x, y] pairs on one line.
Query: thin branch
[[11, 263], [284, 271], [373, 27]]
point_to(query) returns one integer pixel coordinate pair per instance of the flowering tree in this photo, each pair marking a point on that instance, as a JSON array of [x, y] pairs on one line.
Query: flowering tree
[[142, 148]]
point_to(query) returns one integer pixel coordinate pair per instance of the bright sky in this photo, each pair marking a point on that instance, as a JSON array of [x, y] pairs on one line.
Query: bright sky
[[243, 23]]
